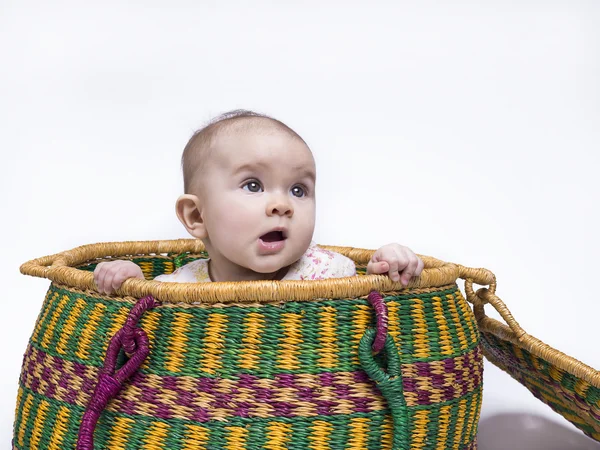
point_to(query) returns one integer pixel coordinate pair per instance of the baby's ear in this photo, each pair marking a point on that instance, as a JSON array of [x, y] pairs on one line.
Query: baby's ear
[[189, 212]]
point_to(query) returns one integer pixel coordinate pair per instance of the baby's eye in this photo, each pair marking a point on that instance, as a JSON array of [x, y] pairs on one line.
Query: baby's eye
[[298, 191], [253, 186]]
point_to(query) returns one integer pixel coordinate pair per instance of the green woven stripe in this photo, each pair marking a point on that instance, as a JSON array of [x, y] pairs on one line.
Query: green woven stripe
[[301, 429], [59, 331], [452, 326], [472, 399], [433, 331], [100, 332], [29, 420], [473, 331], [270, 348], [374, 441], [47, 312], [153, 267], [406, 345]]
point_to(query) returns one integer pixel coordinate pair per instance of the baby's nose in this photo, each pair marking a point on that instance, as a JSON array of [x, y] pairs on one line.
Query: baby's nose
[[280, 207]]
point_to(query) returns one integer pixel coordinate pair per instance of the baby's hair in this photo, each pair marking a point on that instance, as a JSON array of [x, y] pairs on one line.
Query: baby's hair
[[200, 143]]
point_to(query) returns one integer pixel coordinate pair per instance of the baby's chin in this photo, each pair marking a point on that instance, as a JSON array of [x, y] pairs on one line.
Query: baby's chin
[[269, 267]]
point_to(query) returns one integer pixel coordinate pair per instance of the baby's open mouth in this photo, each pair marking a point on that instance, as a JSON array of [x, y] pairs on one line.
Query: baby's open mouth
[[273, 236]]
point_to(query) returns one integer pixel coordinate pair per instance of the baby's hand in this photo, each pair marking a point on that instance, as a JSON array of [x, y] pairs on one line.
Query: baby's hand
[[394, 258], [109, 276]]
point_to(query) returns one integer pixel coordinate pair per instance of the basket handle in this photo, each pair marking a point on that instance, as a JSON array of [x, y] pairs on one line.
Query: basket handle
[[487, 295]]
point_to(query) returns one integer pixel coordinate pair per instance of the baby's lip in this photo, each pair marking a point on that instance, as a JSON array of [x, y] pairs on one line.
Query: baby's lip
[[283, 230]]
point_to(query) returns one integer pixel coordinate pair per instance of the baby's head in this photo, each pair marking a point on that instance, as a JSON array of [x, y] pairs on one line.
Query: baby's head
[[249, 185]]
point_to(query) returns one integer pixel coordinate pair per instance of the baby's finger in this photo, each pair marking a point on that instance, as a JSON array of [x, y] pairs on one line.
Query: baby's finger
[[420, 267], [108, 281], [377, 267], [99, 274], [118, 279], [394, 267], [409, 270]]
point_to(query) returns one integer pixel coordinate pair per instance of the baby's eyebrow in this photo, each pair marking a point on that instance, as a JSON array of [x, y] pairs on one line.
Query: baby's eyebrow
[[301, 171], [304, 172], [248, 167]]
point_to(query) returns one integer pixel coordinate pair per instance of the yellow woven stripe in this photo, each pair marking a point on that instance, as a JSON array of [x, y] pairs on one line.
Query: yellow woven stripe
[[178, 341], [468, 316], [292, 325], [460, 331], [518, 352], [69, 325], [88, 331], [236, 439], [118, 321], [460, 423], [52, 325], [19, 398], [471, 419], [419, 432], [443, 425], [387, 431], [581, 387], [253, 325], [42, 319], [147, 268], [149, 323], [168, 267], [535, 361], [59, 429], [278, 434], [155, 438], [554, 372], [25, 418], [478, 411], [359, 427], [38, 424], [394, 321], [446, 345], [360, 322], [213, 341], [195, 437], [119, 433], [420, 329], [328, 338], [319, 436]]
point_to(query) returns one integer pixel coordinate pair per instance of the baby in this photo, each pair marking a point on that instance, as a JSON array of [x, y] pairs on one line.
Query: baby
[[249, 183]]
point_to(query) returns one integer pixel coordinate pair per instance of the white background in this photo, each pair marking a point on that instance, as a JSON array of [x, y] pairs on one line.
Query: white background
[[469, 132]]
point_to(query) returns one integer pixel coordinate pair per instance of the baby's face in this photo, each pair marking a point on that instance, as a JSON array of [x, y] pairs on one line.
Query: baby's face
[[258, 200]]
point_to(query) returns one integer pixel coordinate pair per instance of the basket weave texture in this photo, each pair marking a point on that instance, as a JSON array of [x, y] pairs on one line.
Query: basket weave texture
[[252, 365]]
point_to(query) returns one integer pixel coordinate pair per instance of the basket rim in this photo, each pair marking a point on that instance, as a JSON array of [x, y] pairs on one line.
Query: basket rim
[[61, 268]]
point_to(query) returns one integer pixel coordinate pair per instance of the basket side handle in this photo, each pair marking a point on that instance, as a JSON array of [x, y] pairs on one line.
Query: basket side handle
[[40, 267], [485, 295], [513, 332]]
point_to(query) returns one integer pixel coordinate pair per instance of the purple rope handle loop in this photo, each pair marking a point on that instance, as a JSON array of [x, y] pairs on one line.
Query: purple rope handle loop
[[381, 315], [135, 342]]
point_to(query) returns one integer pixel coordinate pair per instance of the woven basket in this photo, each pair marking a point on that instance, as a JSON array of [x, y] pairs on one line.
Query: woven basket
[[349, 363], [568, 386]]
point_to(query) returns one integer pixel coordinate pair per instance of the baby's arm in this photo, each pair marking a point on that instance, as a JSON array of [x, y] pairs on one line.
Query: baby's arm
[[109, 276]]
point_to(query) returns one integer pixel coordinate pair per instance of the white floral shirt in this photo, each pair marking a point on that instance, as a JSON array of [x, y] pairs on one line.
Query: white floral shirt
[[316, 264]]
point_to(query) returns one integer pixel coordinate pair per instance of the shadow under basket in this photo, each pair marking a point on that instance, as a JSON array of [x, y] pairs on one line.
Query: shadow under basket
[[348, 363]]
